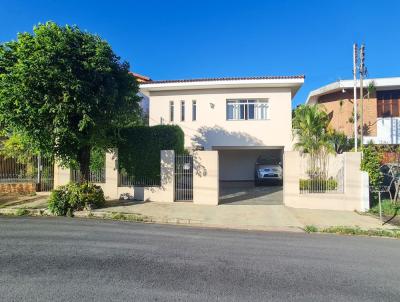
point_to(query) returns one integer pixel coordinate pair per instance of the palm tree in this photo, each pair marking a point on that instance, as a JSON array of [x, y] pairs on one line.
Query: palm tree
[[310, 125]]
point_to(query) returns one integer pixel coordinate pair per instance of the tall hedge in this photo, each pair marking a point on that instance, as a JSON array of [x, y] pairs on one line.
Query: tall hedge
[[139, 150]]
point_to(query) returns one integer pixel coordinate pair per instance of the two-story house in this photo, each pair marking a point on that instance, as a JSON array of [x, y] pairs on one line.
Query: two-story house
[[380, 113], [242, 118]]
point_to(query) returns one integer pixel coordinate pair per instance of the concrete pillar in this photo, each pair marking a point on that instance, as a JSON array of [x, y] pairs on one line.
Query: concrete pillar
[[205, 177], [110, 187], [291, 176], [61, 175]]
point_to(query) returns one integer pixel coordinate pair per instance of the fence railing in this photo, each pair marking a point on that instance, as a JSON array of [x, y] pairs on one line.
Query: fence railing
[[98, 176], [125, 180], [327, 177], [34, 169]]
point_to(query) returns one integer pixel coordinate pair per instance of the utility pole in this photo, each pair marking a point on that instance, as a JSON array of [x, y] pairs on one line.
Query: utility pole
[[355, 48], [362, 74]]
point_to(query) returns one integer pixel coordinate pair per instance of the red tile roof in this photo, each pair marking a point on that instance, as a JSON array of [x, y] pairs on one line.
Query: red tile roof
[[226, 79], [140, 78]]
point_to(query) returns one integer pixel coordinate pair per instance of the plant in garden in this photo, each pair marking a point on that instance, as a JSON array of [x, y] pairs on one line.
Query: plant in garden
[[310, 125], [64, 200], [64, 92], [371, 162], [340, 142]]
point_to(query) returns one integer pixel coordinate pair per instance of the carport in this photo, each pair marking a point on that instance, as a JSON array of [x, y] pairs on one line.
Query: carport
[[237, 175]]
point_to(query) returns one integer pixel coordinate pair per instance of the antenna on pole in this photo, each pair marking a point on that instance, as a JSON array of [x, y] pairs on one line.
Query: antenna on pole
[[355, 57]]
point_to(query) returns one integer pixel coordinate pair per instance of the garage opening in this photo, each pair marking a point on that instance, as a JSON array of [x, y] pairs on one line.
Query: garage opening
[[251, 176]]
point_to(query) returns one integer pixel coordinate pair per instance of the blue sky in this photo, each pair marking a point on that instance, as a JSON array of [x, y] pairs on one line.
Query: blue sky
[[189, 39]]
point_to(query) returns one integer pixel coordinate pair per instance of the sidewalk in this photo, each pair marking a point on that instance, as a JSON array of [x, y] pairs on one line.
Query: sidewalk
[[248, 217]]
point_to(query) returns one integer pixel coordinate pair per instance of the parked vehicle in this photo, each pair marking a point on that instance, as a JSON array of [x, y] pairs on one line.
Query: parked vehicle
[[268, 170]]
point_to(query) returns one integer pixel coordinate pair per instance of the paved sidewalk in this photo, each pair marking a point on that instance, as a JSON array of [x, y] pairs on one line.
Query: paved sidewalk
[[249, 217], [255, 217]]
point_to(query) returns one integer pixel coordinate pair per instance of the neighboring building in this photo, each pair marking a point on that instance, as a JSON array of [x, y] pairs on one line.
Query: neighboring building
[[144, 104], [381, 110], [242, 118]]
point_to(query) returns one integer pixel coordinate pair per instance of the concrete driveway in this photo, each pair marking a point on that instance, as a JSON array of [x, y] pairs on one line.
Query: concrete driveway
[[246, 193]]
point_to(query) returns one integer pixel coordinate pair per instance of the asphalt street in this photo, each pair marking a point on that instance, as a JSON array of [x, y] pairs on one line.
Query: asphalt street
[[69, 259]]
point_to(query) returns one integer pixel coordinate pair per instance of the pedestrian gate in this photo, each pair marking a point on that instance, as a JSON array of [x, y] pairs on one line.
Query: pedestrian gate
[[183, 177]]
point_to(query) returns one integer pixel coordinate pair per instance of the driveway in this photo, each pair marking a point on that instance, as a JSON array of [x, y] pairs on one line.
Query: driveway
[[56, 259], [246, 193]]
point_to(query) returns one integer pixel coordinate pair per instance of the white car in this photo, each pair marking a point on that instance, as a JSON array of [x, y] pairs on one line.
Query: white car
[[265, 173]]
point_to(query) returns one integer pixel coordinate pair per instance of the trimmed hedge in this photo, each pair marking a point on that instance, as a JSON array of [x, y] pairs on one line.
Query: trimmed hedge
[[139, 150], [318, 185]]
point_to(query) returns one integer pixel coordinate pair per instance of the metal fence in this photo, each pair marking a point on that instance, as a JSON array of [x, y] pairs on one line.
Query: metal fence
[[34, 169], [126, 180], [321, 175], [98, 176], [183, 177]]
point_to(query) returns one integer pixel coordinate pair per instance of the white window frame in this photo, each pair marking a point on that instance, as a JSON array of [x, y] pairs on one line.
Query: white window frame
[[240, 109]]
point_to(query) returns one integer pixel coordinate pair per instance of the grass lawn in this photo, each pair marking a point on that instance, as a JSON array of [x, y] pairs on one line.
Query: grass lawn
[[388, 208]]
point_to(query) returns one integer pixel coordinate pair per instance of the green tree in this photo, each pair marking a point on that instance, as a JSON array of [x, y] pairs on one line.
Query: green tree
[[340, 142], [310, 125], [66, 92]]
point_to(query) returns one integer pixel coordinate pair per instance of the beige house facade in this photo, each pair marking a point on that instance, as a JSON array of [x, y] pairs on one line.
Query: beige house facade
[[241, 118]]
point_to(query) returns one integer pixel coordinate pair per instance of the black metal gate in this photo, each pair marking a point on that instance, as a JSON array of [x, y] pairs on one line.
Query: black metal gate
[[183, 177]]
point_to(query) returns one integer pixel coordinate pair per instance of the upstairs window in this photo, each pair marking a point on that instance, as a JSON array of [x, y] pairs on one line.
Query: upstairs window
[[171, 111], [182, 111], [194, 110], [247, 109], [388, 103]]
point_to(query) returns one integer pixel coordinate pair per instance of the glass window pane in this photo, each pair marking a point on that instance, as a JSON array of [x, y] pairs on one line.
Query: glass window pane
[[194, 110], [171, 111], [182, 111], [242, 112], [250, 111]]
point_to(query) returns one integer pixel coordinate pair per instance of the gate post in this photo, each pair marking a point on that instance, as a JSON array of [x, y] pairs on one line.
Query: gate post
[[205, 177], [168, 174], [61, 175]]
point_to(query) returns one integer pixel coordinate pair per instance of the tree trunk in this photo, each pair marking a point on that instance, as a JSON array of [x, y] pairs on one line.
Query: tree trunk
[[84, 163]]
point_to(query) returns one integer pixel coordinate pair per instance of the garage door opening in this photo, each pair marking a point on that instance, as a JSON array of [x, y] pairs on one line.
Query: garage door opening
[[239, 183]]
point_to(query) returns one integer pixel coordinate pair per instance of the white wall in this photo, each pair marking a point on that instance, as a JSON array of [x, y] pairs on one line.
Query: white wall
[[388, 131], [212, 129], [354, 196]]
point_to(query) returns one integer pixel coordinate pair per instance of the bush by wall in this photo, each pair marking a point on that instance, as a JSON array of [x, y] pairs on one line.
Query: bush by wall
[[64, 200], [139, 150], [371, 163], [318, 185]]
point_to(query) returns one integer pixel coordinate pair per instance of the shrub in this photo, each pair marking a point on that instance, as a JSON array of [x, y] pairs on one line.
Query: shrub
[[64, 200], [371, 162], [22, 212], [318, 184], [310, 229]]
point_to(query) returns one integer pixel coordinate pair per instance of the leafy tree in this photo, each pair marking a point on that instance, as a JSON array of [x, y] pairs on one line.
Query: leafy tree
[[310, 125], [66, 92], [340, 142]]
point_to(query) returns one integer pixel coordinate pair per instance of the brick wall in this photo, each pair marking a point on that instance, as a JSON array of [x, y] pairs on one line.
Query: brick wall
[[339, 106], [21, 188]]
